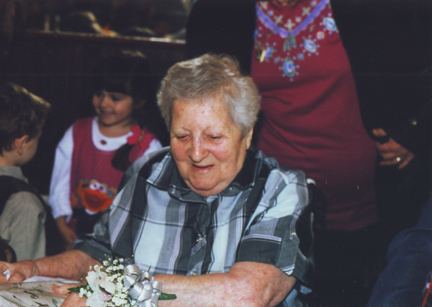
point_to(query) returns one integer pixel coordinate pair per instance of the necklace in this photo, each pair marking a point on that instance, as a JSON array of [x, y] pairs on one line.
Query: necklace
[[288, 31], [288, 37]]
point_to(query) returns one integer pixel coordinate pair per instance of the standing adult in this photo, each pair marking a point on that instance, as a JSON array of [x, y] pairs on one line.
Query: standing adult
[[310, 120]]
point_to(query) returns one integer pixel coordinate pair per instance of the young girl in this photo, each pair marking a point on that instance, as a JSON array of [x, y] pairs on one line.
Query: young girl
[[94, 152]]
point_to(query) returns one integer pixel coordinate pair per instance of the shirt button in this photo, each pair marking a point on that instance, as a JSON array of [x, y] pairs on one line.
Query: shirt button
[[293, 234]]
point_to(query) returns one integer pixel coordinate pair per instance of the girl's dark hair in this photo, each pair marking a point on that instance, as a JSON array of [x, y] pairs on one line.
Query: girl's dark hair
[[128, 73]]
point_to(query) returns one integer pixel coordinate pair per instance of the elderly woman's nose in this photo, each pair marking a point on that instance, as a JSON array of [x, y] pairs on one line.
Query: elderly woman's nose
[[198, 150]]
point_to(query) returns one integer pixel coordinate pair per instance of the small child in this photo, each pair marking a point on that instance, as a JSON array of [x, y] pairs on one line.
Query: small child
[[22, 219], [94, 153]]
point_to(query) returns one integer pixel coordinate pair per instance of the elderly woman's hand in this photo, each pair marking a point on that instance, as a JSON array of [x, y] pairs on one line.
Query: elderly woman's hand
[[73, 299], [392, 152], [17, 272]]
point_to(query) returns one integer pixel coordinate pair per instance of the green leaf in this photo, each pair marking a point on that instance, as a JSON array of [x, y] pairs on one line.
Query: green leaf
[[75, 289], [167, 296]]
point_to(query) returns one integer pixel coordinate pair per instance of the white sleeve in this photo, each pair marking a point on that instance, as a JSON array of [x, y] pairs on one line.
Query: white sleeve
[[154, 146], [59, 198]]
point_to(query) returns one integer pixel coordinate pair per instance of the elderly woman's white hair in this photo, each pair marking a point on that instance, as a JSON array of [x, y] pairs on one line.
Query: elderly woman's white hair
[[207, 79]]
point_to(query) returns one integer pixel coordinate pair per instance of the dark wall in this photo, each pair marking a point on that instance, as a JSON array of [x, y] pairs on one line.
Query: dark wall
[[58, 68]]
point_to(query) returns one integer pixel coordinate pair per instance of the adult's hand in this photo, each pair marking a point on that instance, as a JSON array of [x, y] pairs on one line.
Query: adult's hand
[[392, 152], [19, 271], [73, 299], [72, 265], [66, 232]]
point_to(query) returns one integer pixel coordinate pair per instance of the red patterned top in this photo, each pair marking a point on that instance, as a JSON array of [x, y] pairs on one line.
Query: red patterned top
[[311, 116], [93, 181]]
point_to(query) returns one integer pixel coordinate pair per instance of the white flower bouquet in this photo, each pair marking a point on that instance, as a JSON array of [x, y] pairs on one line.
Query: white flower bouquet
[[114, 284]]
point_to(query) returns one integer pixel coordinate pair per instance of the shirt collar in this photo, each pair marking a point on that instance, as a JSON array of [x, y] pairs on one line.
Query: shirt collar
[[13, 171]]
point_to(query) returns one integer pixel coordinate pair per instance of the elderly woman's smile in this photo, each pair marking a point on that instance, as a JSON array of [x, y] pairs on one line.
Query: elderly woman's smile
[[208, 148]]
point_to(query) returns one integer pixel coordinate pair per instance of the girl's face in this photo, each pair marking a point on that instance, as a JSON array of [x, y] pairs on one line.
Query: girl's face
[[113, 108]]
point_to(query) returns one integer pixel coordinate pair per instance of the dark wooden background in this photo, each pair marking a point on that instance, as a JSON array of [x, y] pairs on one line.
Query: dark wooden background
[[58, 66]]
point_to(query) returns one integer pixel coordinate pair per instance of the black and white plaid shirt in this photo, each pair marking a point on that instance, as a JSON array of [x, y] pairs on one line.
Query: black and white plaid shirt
[[159, 220]]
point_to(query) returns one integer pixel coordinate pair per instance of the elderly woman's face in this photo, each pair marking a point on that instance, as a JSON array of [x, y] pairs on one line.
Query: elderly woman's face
[[207, 146]]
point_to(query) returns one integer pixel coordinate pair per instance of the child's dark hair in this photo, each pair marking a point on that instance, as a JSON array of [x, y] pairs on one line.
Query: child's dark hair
[[128, 73], [22, 113]]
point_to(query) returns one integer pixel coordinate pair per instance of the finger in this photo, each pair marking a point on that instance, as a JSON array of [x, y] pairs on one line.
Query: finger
[[388, 162], [391, 156], [401, 160], [389, 145], [15, 278], [391, 149], [63, 289], [73, 300], [6, 271], [384, 147], [379, 132], [3, 279], [406, 161]]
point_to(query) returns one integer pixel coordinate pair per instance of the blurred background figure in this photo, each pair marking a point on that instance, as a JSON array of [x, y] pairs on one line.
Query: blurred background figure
[[26, 223], [406, 280]]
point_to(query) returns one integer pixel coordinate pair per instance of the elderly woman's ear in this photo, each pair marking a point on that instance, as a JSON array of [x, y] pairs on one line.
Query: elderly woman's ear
[[249, 138]]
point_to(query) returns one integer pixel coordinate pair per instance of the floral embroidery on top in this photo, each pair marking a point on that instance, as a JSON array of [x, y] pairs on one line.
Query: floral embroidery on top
[[297, 37]]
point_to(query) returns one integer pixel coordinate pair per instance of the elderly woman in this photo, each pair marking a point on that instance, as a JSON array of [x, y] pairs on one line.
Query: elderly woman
[[216, 222]]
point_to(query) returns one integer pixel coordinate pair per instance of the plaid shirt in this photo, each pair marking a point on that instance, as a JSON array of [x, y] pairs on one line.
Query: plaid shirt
[[166, 226]]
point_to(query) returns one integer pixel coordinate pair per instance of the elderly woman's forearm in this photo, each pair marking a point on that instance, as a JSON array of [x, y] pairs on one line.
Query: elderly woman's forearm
[[73, 265], [246, 284]]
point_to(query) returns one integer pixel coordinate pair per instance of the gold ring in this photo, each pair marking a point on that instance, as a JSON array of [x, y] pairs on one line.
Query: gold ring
[[398, 159]]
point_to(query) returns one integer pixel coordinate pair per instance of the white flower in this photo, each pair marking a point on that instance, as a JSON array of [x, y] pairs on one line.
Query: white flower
[[103, 296], [93, 280], [94, 301], [107, 285]]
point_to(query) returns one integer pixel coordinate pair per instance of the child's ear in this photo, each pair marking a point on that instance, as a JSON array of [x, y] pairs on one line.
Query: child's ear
[[19, 144], [140, 103]]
